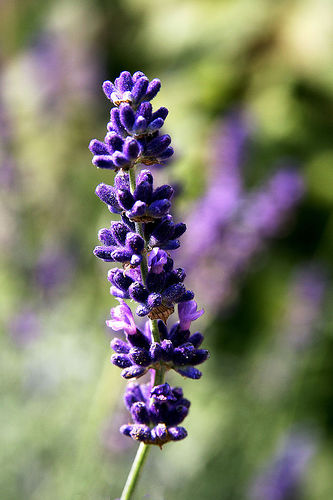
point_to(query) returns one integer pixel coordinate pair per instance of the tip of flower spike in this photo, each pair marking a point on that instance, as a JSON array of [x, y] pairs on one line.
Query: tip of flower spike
[[131, 89]]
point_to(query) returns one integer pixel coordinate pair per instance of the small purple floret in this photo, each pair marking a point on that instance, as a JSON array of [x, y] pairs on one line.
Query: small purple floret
[[188, 312], [156, 260], [122, 319]]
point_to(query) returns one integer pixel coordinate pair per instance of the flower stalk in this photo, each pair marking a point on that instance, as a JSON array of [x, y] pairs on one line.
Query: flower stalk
[[134, 473]]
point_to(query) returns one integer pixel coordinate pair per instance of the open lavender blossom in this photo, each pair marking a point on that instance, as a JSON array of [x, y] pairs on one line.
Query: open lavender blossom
[[122, 319], [141, 242]]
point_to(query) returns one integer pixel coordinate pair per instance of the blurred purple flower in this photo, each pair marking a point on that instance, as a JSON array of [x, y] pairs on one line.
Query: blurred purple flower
[[8, 174], [293, 333], [281, 479], [264, 210], [233, 223], [24, 327], [305, 301], [224, 188], [54, 269], [62, 68]]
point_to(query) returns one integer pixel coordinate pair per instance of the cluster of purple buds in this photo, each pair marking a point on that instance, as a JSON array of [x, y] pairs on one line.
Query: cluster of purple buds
[[177, 350], [162, 289], [156, 413], [144, 205], [133, 130], [141, 242]]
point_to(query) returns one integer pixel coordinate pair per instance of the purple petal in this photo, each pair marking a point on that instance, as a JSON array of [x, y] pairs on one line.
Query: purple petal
[[98, 147], [108, 88], [188, 312], [122, 318], [156, 260]]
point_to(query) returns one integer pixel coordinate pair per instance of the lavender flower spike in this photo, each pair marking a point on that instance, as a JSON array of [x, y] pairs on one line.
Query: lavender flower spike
[[141, 244]]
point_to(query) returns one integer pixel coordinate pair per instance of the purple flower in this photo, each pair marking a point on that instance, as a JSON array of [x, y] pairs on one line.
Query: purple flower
[[24, 327], [120, 245], [188, 312], [234, 224], [122, 319], [162, 407], [131, 89], [141, 242], [157, 258], [282, 478], [164, 233], [159, 294], [144, 205], [140, 122], [115, 152], [121, 151], [177, 350], [133, 130]]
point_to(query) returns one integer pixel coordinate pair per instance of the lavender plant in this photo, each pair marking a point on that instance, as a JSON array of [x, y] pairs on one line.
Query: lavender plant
[[241, 222], [141, 243]]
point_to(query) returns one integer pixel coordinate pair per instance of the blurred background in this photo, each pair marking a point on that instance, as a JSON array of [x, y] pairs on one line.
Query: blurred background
[[249, 87]]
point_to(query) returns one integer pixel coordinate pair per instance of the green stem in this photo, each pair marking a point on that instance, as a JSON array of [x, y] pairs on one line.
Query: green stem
[[154, 330], [138, 226], [159, 372], [134, 473]]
